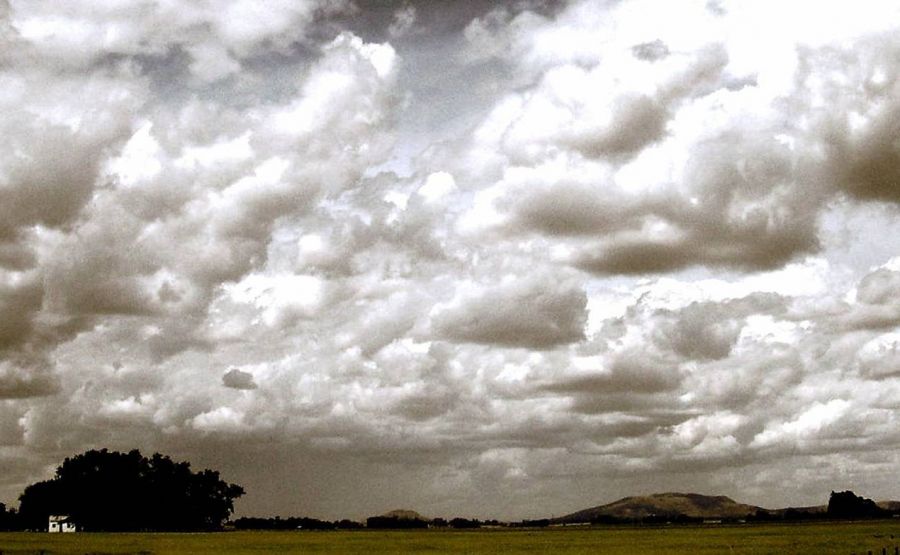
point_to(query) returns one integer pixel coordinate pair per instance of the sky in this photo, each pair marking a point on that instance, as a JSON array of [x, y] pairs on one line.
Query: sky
[[482, 259]]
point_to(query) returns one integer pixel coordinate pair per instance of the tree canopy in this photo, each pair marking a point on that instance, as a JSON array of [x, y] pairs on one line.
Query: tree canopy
[[846, 504], [111, 491]]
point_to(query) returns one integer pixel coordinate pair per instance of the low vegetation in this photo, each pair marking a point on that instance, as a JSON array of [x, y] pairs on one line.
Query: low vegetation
[[835, 538]]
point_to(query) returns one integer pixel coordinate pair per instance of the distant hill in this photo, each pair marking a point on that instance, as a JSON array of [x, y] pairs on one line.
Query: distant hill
[[892, 506], [664, 505]]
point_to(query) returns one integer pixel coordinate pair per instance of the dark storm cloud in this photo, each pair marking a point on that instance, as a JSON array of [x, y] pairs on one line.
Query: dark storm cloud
[[635, 257], [636, 122], [861, 129], [528, 312], [575, 209], [26, 377], [743, 215], [19, 303], [710, 330], [53, 192], [431, 402], [175, 336], [630, 372], [873, 168], [238, 379], [16, 255]]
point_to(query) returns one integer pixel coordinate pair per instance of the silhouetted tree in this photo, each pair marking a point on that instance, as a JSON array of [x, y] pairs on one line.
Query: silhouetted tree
[[539, 523], [846, 504], [8, 519], [464, 523], [346, 524], [112, 491], [394, 523], [290, 523]]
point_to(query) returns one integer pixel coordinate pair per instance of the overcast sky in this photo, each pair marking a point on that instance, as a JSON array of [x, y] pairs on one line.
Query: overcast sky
[[490, 259]]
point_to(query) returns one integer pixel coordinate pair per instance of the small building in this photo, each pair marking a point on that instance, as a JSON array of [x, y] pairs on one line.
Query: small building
[[61, 523]]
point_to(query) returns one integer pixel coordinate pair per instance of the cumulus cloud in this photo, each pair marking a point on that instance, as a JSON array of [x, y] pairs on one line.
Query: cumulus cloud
[[529, 312], [640, 188], [710, 330], [20, 299], [880, 357], [860, 131], [880, 287], [18, 381], [215, 34], [650, 51], [630, 372], [623, 254], [404, 19], [819, 419]]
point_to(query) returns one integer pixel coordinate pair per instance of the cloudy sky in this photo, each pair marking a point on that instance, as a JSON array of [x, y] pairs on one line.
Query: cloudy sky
[[493, 259]]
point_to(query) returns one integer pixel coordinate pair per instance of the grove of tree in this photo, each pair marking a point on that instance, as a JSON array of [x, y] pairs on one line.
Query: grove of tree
[[112, 491]]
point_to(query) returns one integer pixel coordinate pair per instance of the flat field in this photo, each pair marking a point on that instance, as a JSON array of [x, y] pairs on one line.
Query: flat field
[[750, 539]]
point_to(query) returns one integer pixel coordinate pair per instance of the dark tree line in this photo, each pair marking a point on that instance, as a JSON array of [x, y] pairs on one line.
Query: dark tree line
[[293, 523], [395, 523], [9, 519], [111, 491], [848, 505], [843, 505]]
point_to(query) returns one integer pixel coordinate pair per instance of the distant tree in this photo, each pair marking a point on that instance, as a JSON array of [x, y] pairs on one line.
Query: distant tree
[[345, 524], [605, 519], [539, 523], [394, 523], [8, 519], [278, 523], [293, 523], [464, 523], [112, 491], [846, 504]]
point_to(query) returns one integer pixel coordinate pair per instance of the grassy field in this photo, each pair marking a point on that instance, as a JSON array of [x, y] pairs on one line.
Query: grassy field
[[817, 538]]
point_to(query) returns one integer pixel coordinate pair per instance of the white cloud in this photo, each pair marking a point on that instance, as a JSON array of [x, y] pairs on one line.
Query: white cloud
[[880, 357], [626, 252], [216, 34], [816, 420], [437, 185], [220, 420]]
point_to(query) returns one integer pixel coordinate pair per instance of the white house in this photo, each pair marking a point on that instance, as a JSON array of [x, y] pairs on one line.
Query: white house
[[61, 523]]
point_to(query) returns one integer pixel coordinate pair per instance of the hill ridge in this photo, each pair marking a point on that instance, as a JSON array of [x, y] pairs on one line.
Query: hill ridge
[[671, 504]]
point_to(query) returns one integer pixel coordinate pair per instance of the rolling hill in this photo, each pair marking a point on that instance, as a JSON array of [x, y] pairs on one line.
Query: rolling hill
[[664, 505]]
